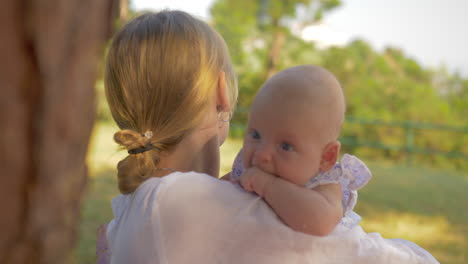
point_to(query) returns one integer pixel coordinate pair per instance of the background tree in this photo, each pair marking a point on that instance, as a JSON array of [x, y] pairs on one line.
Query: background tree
[[393, 88], [259, 35], [50, 50], [388, 86]]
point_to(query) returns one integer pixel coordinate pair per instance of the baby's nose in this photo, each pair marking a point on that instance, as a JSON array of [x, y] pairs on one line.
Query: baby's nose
[[262, 156]]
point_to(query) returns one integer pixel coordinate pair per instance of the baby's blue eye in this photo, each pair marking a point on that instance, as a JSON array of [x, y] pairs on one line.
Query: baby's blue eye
[[286, 146], [255, 134]]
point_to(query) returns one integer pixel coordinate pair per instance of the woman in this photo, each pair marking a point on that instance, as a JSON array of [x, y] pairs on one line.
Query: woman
[[170, 86]]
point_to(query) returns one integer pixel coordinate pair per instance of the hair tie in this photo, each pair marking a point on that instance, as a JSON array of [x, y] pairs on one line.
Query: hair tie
[[148, 146]]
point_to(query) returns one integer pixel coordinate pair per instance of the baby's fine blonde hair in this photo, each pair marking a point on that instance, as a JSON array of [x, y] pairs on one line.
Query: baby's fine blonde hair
[[162, 69]]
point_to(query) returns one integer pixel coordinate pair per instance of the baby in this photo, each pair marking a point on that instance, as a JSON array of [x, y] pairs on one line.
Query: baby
[[290, 152]]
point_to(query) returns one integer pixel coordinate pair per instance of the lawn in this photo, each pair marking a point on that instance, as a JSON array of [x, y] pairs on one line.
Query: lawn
[[426, 206]]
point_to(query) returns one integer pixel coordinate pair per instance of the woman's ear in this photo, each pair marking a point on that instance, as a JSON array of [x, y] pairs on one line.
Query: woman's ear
[[222, 100], [330, 155]]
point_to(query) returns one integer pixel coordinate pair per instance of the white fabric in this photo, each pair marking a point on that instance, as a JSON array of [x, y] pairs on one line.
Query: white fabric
[[194, 218]]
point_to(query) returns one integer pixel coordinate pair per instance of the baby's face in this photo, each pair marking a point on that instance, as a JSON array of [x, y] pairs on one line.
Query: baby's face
[[284, 140]]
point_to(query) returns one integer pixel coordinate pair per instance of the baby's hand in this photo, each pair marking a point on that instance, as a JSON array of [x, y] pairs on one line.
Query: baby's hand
[[255, 180]]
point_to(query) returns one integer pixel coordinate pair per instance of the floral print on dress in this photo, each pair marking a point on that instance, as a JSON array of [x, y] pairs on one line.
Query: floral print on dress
[[351, 173]]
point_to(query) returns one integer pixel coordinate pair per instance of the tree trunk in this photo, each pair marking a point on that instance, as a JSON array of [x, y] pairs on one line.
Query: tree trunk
[[124, 15], [49, 51], [277, 44]]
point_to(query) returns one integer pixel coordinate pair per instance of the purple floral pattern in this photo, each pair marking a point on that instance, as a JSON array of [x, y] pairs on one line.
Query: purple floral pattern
[[351, 173], [102, 249]]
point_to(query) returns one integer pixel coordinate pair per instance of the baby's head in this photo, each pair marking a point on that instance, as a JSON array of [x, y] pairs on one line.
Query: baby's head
[[294, 123]]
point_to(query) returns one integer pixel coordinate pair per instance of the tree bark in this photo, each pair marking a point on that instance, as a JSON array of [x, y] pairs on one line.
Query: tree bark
[[49, 51], [124, 12], [277, 45]]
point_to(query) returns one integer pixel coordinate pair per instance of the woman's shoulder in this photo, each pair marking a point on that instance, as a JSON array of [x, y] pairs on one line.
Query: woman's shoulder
[[178, 186], [174, 178], [184, 180], [153, 189]]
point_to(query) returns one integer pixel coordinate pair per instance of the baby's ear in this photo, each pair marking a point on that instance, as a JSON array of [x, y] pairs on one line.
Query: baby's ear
[[330, 155]]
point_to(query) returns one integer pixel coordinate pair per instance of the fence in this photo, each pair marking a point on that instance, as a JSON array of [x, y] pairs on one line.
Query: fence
[[409, 147], [409, 139]]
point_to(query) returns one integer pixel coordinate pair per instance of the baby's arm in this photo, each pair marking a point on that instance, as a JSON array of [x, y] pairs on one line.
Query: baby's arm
[[313, 211]]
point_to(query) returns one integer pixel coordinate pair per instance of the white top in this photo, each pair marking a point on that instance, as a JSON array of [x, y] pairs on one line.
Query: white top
[[194, 218]]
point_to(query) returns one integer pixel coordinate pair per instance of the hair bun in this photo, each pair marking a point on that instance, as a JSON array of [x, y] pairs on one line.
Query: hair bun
[[131, 139]]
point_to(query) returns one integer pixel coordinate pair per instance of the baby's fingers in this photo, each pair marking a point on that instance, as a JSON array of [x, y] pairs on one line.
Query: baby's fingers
[[246, 184]]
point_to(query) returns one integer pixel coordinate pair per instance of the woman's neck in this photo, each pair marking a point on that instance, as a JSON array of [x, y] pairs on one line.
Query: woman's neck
[[197, 152]]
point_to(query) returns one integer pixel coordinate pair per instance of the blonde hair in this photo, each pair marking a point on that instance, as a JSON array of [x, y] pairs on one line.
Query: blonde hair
[[162, 69]]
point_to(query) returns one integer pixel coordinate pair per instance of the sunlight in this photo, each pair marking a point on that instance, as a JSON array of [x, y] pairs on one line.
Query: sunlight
[[103, 152], [423, 230], [228, 151], [434, 233], [325, 36]]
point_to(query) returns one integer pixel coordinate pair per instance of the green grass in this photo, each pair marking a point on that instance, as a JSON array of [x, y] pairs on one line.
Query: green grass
[[426, 206]]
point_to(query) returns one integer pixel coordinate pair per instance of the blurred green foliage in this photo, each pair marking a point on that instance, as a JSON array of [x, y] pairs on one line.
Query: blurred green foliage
[[389, 86]]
